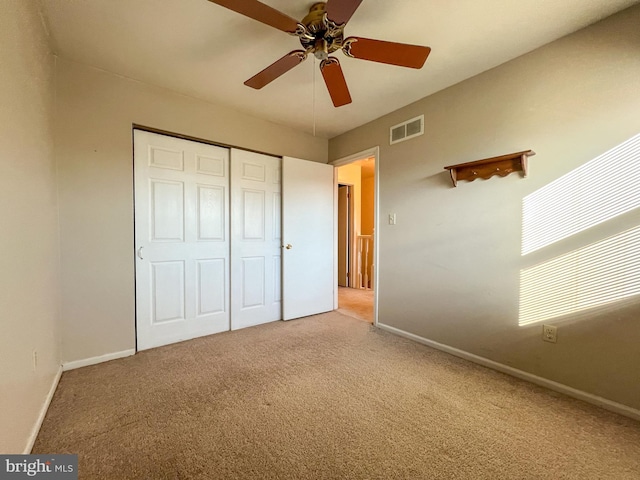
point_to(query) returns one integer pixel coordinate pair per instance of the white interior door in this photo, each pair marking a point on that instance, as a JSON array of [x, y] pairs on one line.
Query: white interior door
[[308, 228], [182, 239], [256, 261]]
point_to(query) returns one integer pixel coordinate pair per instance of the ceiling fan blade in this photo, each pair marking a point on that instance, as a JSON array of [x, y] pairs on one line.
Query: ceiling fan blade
[[277, 68], [401, 54], [261, 12], [340, 11], [336, 84]]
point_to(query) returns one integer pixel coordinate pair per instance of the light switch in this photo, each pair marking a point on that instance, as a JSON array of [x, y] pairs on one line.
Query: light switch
[[392, 219]]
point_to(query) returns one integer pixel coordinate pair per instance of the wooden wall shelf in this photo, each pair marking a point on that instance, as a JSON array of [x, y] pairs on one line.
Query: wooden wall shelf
[[488, 167]]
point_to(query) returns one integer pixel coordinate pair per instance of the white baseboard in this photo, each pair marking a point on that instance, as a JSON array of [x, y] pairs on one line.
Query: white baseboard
[[550, 384], [93, 360], [43, 411]]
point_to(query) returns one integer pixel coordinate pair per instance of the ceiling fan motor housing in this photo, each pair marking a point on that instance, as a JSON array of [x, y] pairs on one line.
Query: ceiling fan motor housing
[[326, 38]]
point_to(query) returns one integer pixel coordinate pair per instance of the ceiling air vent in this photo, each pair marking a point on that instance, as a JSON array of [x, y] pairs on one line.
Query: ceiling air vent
[[406, 130]]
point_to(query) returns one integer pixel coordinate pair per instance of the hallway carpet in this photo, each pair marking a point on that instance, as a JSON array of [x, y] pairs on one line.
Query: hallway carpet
[[356, 303], [325, 397]]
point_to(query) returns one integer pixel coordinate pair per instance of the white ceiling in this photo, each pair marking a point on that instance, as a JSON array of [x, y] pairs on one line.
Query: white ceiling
[[206, 51]]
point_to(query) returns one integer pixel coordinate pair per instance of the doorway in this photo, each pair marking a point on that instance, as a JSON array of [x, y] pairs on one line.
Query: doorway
[[356, 193]]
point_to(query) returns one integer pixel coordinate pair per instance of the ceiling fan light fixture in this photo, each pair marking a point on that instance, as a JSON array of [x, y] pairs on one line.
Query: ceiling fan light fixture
[[321, 49]]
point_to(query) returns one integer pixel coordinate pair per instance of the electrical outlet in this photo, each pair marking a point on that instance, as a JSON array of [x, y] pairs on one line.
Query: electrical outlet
[[35, 360], [392, 219], [549, 333]]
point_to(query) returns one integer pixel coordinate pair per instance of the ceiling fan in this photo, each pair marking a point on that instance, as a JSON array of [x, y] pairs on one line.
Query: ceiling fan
[[321, 32]]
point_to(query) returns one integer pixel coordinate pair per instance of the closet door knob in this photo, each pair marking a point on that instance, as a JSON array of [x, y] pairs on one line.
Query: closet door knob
[[288, 246], [140, 253]]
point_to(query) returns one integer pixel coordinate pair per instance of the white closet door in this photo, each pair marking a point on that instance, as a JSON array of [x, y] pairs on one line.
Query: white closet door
[[308, 229], [255, 244], [182, 239]]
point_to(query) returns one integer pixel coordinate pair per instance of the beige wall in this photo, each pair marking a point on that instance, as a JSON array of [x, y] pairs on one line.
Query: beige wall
[[94, 120], [29, 239], [450, 268]]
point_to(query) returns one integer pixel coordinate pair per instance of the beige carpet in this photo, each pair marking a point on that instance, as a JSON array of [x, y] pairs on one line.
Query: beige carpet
[[320, 398], [356, 303]]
